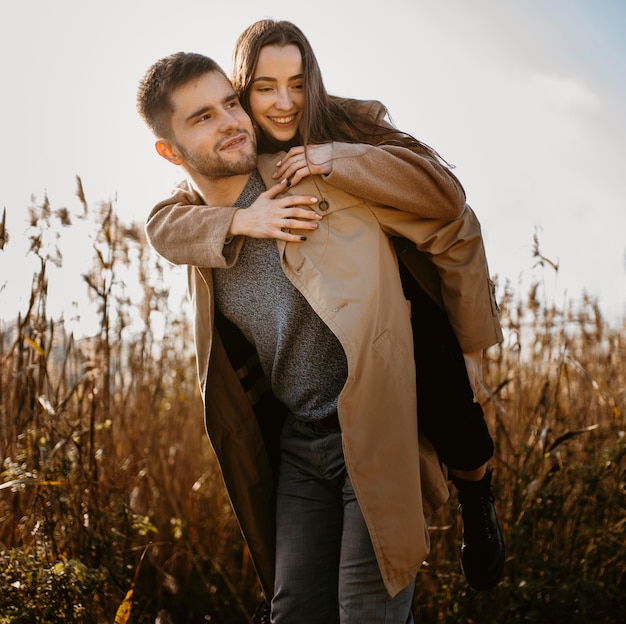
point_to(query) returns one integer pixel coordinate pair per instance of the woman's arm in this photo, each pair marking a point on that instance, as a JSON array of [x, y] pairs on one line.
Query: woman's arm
[[380, 163], [397, 176], [386, 174], [185, 231]]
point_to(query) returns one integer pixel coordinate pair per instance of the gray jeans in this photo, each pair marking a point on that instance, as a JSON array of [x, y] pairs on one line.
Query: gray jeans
[[326, 570]]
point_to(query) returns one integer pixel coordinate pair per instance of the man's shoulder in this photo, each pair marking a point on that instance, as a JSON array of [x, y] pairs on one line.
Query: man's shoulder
[[183, 193]]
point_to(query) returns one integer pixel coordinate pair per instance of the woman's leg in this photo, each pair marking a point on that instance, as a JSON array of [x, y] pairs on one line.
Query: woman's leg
[[455, 424]]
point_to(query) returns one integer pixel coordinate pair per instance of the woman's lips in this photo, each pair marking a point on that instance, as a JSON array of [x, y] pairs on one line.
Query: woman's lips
[[283, 121]]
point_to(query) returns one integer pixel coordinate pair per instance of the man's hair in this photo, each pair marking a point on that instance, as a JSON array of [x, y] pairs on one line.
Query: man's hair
[[161, 80]]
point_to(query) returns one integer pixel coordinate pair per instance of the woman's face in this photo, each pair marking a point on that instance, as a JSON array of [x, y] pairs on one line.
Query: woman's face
[[277, 91]]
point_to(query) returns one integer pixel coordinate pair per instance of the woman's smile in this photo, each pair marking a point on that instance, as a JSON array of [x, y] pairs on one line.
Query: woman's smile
[[283, 121]]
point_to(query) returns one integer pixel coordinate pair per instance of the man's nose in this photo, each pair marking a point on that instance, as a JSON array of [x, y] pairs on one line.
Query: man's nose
[[228, 121]]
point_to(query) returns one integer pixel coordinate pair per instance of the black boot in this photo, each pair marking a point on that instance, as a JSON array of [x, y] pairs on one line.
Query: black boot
[[482, 550]]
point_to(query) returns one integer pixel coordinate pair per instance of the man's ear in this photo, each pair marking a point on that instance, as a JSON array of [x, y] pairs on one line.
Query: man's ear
[[168, 151]]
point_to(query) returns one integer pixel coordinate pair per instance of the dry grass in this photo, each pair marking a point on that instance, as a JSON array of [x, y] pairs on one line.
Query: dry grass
[[105, 460], [555, 398]]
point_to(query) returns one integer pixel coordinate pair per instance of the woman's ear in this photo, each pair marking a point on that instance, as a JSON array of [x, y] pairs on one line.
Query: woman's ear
[[166, 150]]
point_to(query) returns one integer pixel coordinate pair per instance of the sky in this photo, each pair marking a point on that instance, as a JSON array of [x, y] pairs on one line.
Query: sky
[[525, 97]]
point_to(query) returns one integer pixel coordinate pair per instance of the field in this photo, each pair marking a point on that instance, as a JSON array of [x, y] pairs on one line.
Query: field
[[112, 508]]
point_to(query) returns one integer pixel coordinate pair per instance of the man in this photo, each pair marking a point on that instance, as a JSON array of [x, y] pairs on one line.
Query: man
[[311, 329]]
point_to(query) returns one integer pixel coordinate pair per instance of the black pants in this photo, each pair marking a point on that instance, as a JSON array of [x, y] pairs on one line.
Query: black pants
[[446, 410]]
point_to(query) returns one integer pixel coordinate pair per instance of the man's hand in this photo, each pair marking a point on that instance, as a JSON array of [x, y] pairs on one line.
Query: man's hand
[[474, 366], [299, 163], [269, 217]]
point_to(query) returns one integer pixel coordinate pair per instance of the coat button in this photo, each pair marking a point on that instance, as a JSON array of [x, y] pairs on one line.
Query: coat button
[[323, 205]]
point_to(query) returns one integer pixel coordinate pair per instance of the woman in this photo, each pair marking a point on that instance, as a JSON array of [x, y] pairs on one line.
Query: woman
[[279, 82]]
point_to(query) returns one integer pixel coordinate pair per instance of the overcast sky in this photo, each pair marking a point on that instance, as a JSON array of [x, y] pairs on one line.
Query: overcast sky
[[525, 97]]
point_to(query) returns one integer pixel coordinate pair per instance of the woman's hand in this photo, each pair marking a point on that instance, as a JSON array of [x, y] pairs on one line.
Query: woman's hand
[[299, 163], [269, 217]]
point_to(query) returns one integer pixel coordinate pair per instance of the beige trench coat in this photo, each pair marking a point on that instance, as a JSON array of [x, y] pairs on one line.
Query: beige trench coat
[[347, 270]]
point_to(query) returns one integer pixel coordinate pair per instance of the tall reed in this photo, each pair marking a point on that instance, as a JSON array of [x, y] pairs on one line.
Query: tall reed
[[103, 450], [109, 488]]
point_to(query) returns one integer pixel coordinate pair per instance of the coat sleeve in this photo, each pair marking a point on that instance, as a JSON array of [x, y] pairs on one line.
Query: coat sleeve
[[413, 179], [448, 259], [184, 231], [397, 176]]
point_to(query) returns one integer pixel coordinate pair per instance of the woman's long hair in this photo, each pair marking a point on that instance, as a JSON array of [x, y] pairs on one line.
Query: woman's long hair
[[325, 117]]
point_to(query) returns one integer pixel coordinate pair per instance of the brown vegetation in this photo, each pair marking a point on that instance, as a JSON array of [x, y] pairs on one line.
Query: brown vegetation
[[111, 500]]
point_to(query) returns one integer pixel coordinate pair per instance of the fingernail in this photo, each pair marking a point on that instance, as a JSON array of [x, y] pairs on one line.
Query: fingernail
[[313, 199], [303, 238], [279, 163]]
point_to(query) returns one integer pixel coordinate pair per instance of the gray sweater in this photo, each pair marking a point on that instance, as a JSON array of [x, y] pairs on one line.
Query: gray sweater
[[302, 358]]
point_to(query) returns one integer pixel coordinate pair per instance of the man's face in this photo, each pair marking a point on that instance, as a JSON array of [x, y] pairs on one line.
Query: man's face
[[213, 135]]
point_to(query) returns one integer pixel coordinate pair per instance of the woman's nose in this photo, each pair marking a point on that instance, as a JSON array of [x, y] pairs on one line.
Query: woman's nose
[[283, 100]]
